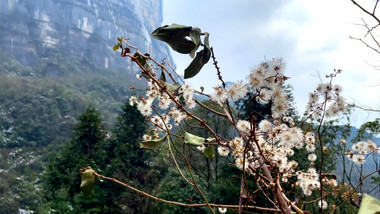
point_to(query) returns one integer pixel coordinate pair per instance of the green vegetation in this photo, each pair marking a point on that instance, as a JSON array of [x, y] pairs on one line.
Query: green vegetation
[[39, 107]]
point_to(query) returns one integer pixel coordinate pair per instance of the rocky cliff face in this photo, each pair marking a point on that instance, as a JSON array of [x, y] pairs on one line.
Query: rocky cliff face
[[83, 29]]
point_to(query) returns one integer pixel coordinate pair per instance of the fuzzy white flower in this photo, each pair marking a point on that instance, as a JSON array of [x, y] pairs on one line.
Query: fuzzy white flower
[[371, 146], [256, 82], [163, 101], [201, 148], [265, 126], [359, 159], [332, 111], [312, 157], [278, 65], [222, 210], [289, 120], [309, 138], [310, 147], [144, 108], [189, 100], [236, 142], [223, 151], [313, 97], [279, 107], [244, 126], [240, 162], [177, 115], [191, 104], [219, 94], [133, 100], [355, 147], [147, 137], [265, 94], [187, 88], [337, 89], [323, 204], [237, 91]]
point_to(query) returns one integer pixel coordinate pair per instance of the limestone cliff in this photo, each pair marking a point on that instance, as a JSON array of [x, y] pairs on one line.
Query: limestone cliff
[[85, 28]]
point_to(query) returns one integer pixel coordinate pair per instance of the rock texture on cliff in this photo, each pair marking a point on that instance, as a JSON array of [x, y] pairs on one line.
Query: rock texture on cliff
[[87, 28]]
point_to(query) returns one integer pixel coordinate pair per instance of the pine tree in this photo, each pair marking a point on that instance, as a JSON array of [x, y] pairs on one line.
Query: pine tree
[[129, 163], [62, 180]]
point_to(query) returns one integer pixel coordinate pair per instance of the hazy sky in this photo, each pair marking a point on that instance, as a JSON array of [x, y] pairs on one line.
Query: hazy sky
[[312, 37]]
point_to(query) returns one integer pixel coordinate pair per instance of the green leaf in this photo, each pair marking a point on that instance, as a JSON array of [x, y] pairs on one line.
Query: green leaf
[[172, 88], [209, 152], [163, 77], [196, 65], [195, 36], [153, 145], [88, 181], [175, 36], [369, 205], [195, 140], [116, 46], [144, 62]]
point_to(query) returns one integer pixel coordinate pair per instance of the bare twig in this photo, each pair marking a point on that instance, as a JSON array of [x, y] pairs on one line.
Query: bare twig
[[365, 109], [366, 11], [183, 204]]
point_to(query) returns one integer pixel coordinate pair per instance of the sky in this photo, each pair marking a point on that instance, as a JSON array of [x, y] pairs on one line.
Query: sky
[[313, 37]]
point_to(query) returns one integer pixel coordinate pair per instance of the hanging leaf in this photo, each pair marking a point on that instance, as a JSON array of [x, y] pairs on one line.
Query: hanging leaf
[[116, 46], [88, 181], [195, 36], [196, 65], [209, 152], [175, 36], [196, 140], [153, 145]]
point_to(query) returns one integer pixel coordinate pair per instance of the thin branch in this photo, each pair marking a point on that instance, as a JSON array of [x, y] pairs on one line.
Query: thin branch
[[374, 8], [150, 58], [183, 204], [216, 67], [368, 46], [366, 11], [171, 67], [365, 109], [210, 109], [179, 169]]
